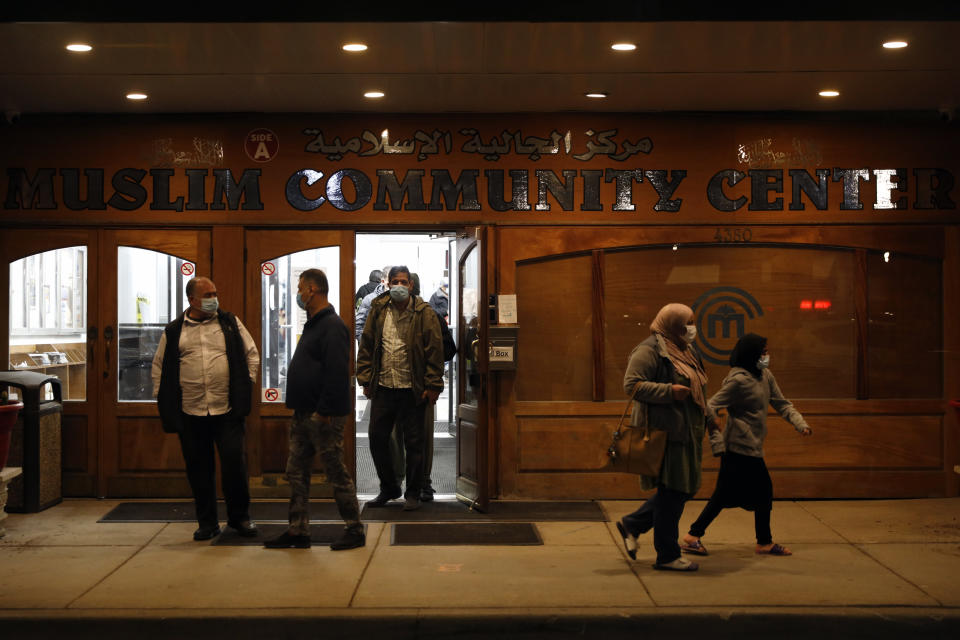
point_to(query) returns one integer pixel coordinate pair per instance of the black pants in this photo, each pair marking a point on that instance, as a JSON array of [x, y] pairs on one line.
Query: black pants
[[662, 514], [761, 522], [198, 437], [743, 482], [397, 407]]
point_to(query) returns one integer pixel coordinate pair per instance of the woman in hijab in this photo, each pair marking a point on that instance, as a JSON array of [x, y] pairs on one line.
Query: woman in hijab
[[744, 481], [665, 377]]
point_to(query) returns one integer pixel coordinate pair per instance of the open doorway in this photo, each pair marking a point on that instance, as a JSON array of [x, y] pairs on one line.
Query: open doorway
[[428, 256]]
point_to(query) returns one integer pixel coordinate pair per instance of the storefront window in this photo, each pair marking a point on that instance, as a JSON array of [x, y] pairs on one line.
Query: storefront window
[[905, 330], [800, 299], [282, 319], [48, 317], [151, 291]]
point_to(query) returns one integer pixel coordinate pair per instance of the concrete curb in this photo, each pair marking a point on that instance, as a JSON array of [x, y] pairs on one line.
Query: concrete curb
[[676, 623]]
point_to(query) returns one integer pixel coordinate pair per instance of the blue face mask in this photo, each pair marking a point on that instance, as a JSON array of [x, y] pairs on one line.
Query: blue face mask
[[300, 302], [763, 362], [209, 305], [399, 293]]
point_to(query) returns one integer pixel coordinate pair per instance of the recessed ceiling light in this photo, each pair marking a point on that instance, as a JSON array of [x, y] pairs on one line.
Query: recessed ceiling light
[[596, 94], [894, 44], [829, 93], [136, 96], [79, 47], [373, 94], [623, 46], [355, 46]]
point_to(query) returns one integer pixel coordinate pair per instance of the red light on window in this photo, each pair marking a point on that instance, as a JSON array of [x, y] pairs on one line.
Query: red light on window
[[822, 304], [806, 304]]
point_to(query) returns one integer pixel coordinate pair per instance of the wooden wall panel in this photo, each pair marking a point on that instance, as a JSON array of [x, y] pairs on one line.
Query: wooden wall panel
[[564, 444], [555, 315]]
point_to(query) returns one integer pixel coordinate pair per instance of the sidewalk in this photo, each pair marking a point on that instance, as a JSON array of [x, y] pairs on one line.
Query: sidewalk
[[883, 568]]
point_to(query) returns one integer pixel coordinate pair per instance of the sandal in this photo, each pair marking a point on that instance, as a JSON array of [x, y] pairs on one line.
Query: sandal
[[696, 548], [776, 550]]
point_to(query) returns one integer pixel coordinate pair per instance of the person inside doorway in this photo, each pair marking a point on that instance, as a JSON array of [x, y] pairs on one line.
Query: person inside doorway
[[375, 278], [440, 301], [363, 309], [400, 367], [203, 374]]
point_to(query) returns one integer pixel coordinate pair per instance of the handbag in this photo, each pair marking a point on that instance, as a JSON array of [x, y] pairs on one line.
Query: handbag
[[637, 449]]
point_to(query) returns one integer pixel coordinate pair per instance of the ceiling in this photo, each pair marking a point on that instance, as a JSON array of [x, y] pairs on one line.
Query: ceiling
[[480, 66]]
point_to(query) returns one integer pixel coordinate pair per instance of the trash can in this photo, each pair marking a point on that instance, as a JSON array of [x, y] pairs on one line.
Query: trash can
[[35, 444]]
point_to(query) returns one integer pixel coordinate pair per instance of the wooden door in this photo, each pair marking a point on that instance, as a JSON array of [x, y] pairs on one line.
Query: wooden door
[[472, 383], [274, 261], [142, 274], [71, 293]]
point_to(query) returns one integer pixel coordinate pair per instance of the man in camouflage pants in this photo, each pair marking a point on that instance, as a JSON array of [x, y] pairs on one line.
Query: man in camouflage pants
[[318, 391]]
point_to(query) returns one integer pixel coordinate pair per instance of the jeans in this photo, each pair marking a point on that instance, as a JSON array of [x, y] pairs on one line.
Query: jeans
[[662, 514]]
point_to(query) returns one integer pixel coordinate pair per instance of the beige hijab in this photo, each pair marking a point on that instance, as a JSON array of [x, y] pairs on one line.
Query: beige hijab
[[671, 323]]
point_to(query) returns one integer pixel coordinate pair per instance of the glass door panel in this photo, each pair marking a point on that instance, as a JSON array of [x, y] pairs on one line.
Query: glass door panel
[[151, 291], [281, 319]]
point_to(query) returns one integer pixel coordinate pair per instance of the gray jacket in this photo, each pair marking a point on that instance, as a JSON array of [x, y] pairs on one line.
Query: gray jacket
[[654, 405], [746, 398]]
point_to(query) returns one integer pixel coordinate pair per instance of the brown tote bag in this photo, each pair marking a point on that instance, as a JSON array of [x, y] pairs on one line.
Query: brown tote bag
[[637, 449]]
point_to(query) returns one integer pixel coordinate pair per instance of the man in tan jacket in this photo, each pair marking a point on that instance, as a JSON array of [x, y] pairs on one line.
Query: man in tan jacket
[[400, 367]]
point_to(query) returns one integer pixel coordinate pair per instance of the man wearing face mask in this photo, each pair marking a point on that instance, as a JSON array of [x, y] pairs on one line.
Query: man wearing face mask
[[318, 391], [203, 374], [400, 367]]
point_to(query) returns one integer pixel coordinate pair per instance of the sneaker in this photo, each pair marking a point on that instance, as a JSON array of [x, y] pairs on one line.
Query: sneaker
[[411, 504], [629, 540], [384, 497], [349, 539], [426, 495], [680, 564], [287, 540]]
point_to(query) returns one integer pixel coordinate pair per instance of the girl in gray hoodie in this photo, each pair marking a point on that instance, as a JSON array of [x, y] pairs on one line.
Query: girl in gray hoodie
[[744, 480]]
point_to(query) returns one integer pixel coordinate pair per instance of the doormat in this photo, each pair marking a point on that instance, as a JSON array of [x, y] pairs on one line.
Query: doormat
[[320, 534], [276, 511], [500, 510], [472, 533]]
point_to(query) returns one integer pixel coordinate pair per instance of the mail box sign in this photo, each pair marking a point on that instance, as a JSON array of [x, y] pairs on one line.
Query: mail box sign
[[502, 348]]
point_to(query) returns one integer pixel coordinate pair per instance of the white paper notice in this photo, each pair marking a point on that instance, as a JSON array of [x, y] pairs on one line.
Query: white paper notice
[[507, 305]]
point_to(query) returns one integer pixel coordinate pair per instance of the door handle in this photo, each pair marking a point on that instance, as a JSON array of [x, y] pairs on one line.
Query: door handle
[[108, 336], [91, 339]]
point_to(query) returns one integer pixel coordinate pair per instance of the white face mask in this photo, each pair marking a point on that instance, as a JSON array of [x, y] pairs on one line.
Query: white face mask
[[691, 333], [763, 362]]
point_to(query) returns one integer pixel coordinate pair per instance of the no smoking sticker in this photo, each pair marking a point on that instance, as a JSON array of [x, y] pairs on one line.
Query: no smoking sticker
[[268, 268], [187, 268], [261, 145], [271, 395]]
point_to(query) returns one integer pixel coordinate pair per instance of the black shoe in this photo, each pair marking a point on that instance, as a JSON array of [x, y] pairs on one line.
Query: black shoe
[[287, 540], [426, 495], [245, 528], [349, 539], [411, 504], [206, 532], [384, 497]]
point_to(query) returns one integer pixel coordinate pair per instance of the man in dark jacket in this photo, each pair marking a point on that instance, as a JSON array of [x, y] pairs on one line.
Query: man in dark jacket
[[203, 375], [318, 391], [400, 366], [368, 287]]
